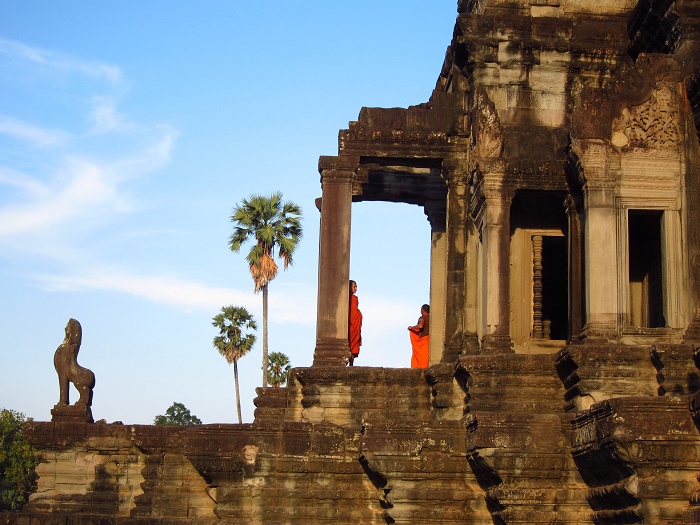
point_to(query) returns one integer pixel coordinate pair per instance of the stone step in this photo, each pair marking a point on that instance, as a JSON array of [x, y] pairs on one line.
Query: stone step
[[513, 383], [592, 373]]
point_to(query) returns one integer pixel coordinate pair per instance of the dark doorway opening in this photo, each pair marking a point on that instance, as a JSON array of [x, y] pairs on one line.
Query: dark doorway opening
[[539, 268], [645, 269], [554, 286]]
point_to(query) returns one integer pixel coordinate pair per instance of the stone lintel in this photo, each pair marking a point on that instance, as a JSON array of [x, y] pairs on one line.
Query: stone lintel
[[588, 32]]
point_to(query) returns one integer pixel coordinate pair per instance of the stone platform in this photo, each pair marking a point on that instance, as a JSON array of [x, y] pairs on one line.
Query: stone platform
[[590, 435]]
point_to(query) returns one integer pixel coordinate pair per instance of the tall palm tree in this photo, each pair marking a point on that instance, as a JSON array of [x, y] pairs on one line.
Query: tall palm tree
[[278, 369], [232, 342], [273, 226]]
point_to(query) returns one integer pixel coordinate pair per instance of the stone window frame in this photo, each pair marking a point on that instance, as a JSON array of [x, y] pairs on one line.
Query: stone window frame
[[673, 274], [524, 244]]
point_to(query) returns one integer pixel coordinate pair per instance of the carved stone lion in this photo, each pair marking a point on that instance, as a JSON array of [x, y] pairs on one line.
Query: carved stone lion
[[65, 361]]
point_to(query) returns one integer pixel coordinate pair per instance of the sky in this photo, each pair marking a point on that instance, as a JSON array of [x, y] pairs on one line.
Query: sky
[[129, 131]]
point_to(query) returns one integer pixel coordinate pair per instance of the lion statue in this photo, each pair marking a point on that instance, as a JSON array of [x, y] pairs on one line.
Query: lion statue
[[65, 361]]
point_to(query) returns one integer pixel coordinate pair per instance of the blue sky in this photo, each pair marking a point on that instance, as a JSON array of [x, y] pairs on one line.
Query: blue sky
[[129, 130]]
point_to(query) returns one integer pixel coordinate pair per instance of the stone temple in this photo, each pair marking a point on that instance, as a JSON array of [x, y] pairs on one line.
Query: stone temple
[[558, 163]]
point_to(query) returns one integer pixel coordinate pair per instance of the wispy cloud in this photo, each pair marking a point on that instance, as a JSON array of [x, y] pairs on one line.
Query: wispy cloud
[[81, 190], [60, 61], [105, 117], [13, 178], [285, 306], [35, 134], [158, 289], [154, 153], [85, 182]]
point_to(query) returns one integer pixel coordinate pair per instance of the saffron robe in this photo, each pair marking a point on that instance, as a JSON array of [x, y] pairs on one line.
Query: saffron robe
[[354, 326], [420, 344], [421, 348]]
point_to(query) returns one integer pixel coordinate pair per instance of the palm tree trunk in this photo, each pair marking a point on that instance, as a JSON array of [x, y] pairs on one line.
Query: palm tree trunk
[[238, 395], [264, 334]]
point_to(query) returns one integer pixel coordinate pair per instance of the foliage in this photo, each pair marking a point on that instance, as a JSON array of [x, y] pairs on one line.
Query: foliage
[[17, 462], [232, 342], [272, 225], [177, 415], [278, 369]]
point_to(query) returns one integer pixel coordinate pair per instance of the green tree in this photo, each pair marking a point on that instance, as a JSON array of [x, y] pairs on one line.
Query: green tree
[[232, 342], [17, 462], [177, 415], [273, 226], [278, 369]]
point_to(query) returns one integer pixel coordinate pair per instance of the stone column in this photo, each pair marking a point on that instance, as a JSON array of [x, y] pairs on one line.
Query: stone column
[[600, 242], [337, 175], [672, 240], [495, 235], [436, 212], [575, 267], [455, 172]]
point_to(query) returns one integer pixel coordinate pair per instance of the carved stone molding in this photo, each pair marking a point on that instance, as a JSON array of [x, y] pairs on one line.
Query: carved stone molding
[[331, 352], [652, 124], [487, 133], [436, 212], [456, 171], [487, 188], [334, 176], [339, 170]]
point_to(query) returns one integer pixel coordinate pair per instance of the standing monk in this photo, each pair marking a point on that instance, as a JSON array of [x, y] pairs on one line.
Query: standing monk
[[420, 339], [354, 324]]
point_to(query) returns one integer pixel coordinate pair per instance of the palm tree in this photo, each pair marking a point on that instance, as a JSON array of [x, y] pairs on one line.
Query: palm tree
[[278, 369], [232, 342], [272, 225]]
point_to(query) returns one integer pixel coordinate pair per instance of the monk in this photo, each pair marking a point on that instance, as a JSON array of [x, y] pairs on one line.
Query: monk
[[354, 324], [420, 339]]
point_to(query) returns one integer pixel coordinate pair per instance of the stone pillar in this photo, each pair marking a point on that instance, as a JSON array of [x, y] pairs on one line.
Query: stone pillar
[[675, 289], [600, 242], [337, 175], [495, 236], [575, 267], [436, 213], [456, 173]]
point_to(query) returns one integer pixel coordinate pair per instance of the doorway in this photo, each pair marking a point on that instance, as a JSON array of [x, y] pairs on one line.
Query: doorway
[[538, 271], [646, 291]]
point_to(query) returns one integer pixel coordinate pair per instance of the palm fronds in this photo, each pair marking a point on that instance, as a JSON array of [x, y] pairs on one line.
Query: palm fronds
[[274, 226]]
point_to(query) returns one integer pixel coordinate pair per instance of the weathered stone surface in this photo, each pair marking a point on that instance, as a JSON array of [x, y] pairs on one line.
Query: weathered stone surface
[[636, 454], [558, 163], [484, 440]]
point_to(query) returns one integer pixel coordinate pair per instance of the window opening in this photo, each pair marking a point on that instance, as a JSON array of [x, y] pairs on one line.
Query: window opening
[[539, 278], [645, 269]]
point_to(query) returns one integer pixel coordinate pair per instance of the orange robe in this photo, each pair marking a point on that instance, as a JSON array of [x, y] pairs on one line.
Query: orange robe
[[421, 348], [355, 326]]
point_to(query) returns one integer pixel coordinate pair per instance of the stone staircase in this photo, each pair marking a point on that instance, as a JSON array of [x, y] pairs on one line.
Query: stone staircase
[[518, 440]]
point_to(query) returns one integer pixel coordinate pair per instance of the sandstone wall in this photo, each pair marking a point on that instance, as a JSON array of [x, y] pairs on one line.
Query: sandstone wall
[[602, 435]]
